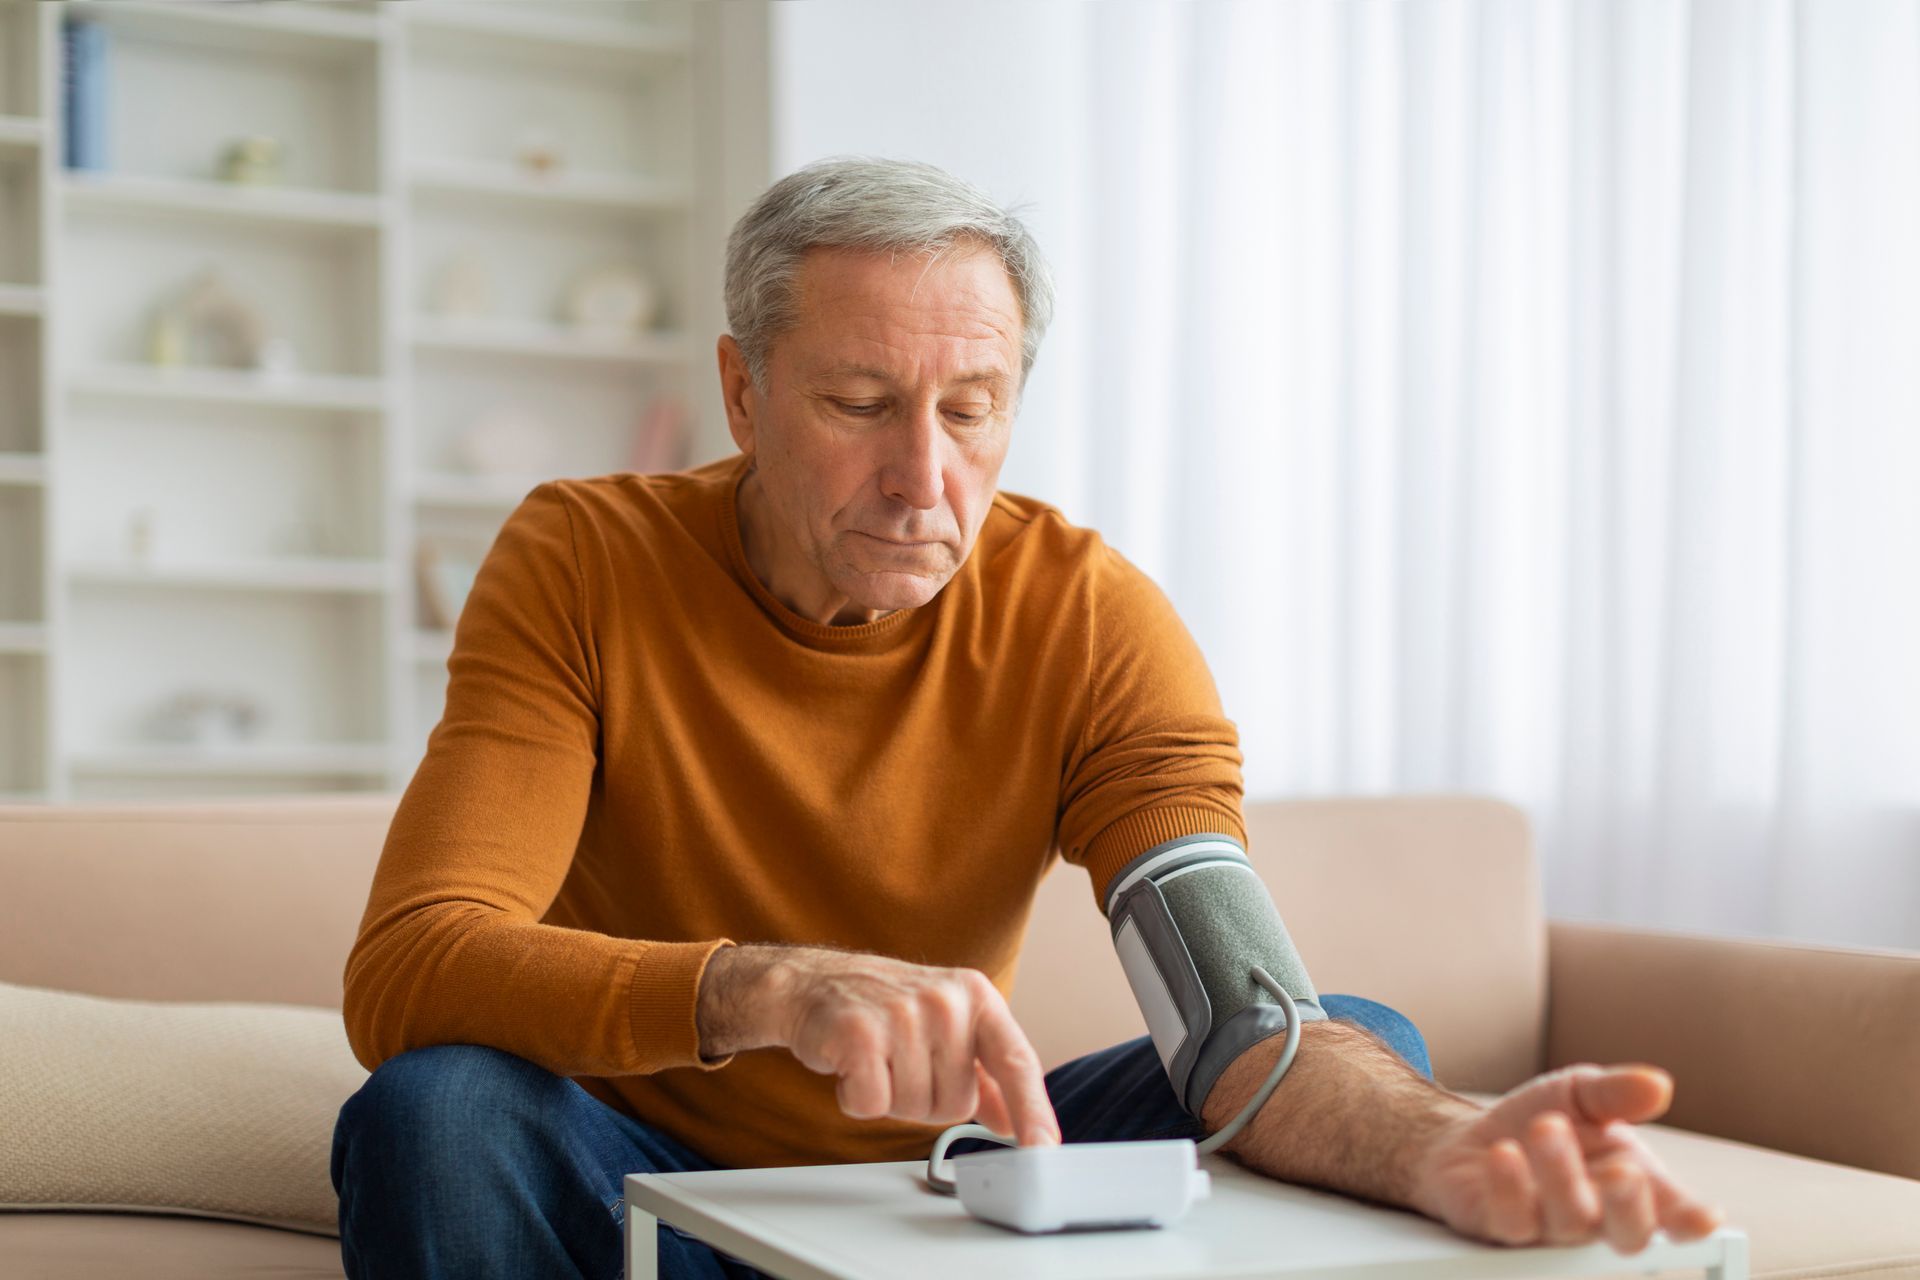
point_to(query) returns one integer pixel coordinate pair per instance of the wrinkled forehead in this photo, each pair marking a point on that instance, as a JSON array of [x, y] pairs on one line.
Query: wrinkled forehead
[[864, 313]]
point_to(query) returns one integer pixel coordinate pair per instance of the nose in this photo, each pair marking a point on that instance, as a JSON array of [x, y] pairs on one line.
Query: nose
[[914, 464]]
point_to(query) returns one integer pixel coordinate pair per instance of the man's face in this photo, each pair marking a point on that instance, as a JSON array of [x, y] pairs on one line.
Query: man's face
[[887, 414]]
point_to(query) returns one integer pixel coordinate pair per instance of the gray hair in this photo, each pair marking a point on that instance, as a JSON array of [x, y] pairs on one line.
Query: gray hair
[[858, 202]]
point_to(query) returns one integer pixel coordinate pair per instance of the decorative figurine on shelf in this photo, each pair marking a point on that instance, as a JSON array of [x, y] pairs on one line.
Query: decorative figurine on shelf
[[209, 323], [536, 152], [254, 161], [505, 441], [463, 287], [612, 300], [276, 358], [167, 339], [208, 718], [661, 437]]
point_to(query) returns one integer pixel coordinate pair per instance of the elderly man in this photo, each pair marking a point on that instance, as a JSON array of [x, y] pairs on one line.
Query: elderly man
[[839, 699]]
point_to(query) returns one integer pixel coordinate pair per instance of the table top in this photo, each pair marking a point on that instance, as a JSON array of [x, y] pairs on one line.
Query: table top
[[861, 1221]]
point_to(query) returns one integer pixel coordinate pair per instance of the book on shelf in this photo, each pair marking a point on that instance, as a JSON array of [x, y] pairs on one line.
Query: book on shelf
[[83, 90]]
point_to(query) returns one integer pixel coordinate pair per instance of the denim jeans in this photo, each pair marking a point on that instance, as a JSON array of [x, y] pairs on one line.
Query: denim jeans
[[460, 1160]]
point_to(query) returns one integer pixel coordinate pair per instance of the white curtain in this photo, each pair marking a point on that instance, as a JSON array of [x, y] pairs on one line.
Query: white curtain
[[1513, 397]]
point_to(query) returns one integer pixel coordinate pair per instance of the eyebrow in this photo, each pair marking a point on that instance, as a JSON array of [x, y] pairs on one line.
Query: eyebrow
[[881, 375]]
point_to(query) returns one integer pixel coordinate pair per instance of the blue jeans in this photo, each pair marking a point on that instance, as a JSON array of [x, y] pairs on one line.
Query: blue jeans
[[460, 1160]]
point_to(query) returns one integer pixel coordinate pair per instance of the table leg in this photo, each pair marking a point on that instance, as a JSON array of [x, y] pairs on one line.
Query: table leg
[[643, 1245]]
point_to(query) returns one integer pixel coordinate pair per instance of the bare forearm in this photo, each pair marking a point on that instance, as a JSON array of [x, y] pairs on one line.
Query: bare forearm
[[740, 997], [1349, 1114]]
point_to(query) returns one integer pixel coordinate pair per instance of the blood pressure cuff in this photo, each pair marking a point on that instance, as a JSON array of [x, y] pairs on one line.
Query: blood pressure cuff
[[1190, 919]]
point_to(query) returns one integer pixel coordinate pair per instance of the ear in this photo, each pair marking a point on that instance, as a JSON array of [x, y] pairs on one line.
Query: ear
[[737, 393]]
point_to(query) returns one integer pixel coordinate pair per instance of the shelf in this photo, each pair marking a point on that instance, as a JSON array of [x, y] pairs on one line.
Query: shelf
[[165, 529], [198, 197], [280, 29], [476, 30], [545, 342], [264, 759], [18, 638], [21, 133], [473, 493], [586, 190], [283, 573], [22, 469], [21, 299], [231, 386]]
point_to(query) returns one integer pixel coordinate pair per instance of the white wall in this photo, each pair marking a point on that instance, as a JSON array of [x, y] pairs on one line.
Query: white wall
[[1513, 398], [987, 97]]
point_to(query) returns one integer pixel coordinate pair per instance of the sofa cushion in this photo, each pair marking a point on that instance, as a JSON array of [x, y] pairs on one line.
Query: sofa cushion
[[1804, 1217], [85, 1246], [221, 1109]]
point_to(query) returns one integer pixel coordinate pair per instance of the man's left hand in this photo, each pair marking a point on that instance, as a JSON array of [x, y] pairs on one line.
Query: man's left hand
[[1557, 1161]]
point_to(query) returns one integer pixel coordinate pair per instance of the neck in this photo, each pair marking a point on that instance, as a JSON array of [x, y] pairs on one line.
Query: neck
[[784, 570]]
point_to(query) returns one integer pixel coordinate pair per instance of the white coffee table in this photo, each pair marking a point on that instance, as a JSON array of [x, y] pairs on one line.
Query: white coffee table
[[878, 1222]]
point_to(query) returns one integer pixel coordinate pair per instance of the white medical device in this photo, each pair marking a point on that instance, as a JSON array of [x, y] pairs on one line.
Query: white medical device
[[1084, 1186]]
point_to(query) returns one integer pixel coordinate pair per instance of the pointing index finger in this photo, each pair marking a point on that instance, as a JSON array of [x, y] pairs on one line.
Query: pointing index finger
[[1009, 1059]]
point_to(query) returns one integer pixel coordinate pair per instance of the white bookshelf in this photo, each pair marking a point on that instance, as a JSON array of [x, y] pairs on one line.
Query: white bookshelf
[[193, 527], [213, 201]]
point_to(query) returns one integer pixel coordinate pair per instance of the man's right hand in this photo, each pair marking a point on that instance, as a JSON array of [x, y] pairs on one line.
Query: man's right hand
[[907, 1041]]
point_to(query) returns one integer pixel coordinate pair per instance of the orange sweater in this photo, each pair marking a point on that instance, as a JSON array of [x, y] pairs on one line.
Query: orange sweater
[[645, 756]]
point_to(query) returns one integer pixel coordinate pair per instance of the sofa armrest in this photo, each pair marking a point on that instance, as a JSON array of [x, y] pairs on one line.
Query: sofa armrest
[[1807, 1049]]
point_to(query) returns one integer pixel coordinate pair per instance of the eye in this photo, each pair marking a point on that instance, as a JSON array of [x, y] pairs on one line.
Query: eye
[[863, 410]]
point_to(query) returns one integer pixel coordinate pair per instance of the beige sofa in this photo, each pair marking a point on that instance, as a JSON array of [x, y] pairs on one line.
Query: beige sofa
[[1797, 1068]]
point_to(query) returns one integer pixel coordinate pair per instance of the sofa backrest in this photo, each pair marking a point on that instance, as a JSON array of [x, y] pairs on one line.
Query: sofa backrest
[[1428, 904], [229, 900]]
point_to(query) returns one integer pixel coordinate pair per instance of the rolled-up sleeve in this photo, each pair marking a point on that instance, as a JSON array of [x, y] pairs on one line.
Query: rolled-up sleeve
[[1157, 757]]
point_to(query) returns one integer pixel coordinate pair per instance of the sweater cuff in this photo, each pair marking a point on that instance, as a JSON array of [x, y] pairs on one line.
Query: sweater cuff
[[1123, 841], [664, 1005]]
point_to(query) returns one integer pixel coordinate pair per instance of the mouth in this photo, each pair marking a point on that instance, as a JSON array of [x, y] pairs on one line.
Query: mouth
[[896, 542]]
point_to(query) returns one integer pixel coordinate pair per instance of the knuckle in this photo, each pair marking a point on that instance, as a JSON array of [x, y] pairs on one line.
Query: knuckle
[[944, 1003], [902, 1013], [978, 985], [859, 1034]]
